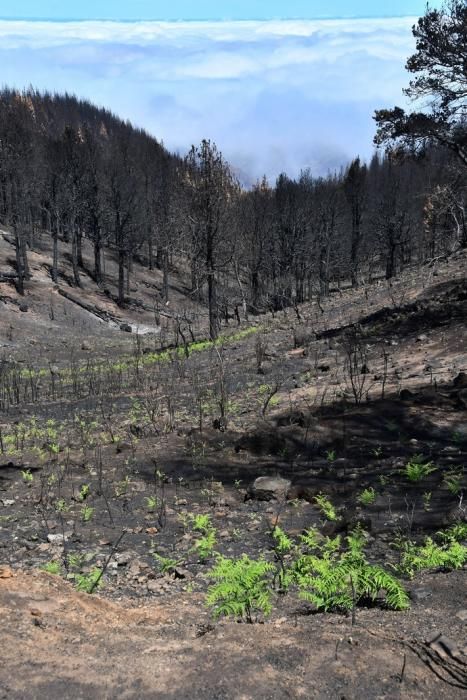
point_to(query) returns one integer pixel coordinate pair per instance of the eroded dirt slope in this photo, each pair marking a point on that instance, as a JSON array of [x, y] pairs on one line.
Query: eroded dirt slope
[[59, 644]]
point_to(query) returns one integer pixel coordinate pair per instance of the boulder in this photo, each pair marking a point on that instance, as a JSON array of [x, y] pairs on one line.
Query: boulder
[[268, 488], [125, 327]]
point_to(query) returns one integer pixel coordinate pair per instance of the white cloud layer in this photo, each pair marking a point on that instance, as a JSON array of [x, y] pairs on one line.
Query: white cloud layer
[[275, 95]]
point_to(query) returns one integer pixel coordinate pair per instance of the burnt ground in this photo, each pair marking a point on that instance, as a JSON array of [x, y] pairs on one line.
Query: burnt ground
[[129, 425]]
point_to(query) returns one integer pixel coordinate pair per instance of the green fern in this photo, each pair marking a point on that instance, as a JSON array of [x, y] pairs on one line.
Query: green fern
[[453, 480], [430, 555], [326, 507], [333, 578], [367, 496], [417, 469], [201, 522], [87, 583], [166, 565], [282, 542], [311, 537], [457, 532], [283, 547], [204, 547], [242, 587], [52, 567]]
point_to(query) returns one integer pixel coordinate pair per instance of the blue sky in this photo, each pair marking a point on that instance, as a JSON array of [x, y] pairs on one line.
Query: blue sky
[[276, 95], [208, 9]]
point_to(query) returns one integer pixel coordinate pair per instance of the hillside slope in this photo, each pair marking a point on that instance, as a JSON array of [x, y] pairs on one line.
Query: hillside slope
[[110, 455]]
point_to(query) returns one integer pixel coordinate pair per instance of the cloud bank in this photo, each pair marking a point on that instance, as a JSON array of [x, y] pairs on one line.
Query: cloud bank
[[274, 95]]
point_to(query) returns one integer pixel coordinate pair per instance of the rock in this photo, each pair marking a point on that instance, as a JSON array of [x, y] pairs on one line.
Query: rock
[[7, 502], [267, 488], [136, 567], [406, 395], [59, 538], [180, 572], [158, 585], [154, 586], [462, 615], [85, 345], [123, 558], [24, 308], [460, 380], [44, 547], [450, 450], [418, 595], [125, 327], [342, 462], [6, 571], [422, 338]]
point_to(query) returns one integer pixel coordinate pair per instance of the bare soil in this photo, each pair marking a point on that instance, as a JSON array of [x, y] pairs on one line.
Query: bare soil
[[61, 644]]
